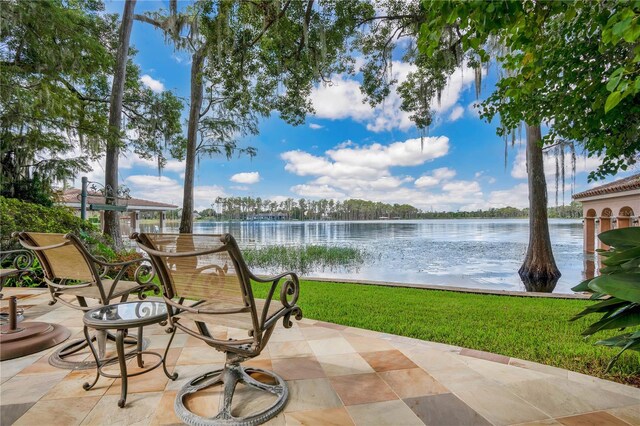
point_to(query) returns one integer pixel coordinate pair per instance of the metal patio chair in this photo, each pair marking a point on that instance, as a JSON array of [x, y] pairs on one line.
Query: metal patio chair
[[74, 275], [206, 284]]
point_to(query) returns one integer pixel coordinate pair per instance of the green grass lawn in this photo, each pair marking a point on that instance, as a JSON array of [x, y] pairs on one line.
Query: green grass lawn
[[535, 329]]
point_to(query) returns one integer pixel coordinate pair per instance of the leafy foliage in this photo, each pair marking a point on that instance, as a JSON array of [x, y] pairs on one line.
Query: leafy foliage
[[54, 80], [557, 59], [249, 59], [623, 27], [17, 215], [37, 106], [618, 288]]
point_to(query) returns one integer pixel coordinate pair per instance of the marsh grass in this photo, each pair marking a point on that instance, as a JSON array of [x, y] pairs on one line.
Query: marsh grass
[[304, 259]]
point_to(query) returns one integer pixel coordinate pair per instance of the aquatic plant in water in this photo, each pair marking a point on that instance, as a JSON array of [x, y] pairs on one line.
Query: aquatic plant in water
[[303, 259]]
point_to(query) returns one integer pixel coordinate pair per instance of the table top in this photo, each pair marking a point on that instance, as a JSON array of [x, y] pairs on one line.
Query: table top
[[127, 314]]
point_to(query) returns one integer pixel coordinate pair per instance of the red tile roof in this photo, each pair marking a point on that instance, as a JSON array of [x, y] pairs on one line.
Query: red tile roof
[[73, 196], [620, 185]]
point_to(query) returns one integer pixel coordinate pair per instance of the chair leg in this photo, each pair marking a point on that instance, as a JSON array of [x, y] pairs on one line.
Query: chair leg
[[232, 374]]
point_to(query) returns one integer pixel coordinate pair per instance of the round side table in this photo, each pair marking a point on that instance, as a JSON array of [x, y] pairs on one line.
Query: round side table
[[121, 317]]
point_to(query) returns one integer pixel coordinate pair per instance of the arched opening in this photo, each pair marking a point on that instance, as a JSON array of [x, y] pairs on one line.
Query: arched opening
[[589, 231], [624, 217], [605, 224]]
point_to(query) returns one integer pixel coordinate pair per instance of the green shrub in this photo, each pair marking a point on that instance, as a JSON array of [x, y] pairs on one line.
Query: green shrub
[[618, 289], [17, 215]]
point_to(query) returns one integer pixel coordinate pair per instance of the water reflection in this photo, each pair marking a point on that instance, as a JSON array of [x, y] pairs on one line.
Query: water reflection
[[538, 285], [464, 253]]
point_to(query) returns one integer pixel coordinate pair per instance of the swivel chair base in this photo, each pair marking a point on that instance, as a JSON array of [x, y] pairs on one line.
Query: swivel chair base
[[229, 377]]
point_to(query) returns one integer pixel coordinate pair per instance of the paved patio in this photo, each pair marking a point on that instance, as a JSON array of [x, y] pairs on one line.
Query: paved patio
[[337, 376]]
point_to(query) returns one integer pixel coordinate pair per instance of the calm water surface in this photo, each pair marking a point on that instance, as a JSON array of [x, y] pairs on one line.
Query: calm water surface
[[476, 253]]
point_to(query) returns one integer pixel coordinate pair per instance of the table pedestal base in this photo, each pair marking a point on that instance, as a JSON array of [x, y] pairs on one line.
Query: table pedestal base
[[29, 338], [122, 359]]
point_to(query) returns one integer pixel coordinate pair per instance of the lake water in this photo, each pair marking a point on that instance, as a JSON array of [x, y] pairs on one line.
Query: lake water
[[475, 253]]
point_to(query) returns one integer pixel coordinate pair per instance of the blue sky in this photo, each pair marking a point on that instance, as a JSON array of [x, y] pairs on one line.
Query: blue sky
[[345, 150]]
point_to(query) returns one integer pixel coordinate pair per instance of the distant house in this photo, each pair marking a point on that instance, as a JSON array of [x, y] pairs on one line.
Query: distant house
[[268, 216], [610, 206], [132, 206]]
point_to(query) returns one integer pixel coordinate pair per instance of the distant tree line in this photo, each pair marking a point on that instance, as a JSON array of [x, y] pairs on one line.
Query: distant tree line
[[572, 211], [244, 208]]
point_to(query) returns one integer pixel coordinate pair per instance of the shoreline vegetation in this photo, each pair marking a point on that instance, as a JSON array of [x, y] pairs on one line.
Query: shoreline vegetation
[[533, 329], [562, 212], [249, 208], [303, 259]]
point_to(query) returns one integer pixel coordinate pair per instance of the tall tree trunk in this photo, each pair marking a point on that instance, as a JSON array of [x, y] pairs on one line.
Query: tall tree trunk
[[197, 62], [539, 271], [111, 220]]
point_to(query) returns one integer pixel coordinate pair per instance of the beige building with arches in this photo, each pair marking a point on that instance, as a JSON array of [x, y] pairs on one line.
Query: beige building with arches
[[611, 206]]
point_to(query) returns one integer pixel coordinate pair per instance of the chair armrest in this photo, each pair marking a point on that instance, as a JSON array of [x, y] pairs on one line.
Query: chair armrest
[[143, 274], [271, 279], [21, 259], [289, 293], [178, 254]]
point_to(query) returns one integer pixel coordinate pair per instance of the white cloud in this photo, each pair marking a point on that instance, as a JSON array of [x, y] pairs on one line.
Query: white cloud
[[583, 165], [130, 159], [444, 173], [518, 196], [175, 166], [456, 113], [152, 83], [368, 162], [365, 172], [426, 181], [315, 126], [166, 190], [435, 177], [474, 109], [411, 152], [343, 99], [317, 191], [246, 178], [340, 99], [462, 187]]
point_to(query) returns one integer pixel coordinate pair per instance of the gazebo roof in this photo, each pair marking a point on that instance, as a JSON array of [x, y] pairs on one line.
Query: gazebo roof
[[620, 185], [71, 198]]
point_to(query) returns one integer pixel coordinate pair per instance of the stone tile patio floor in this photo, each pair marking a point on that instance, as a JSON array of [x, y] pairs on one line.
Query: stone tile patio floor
[[337, 375]]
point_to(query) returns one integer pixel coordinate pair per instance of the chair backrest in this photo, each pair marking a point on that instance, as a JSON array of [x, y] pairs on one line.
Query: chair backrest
[[199, 267], [61, 256]]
